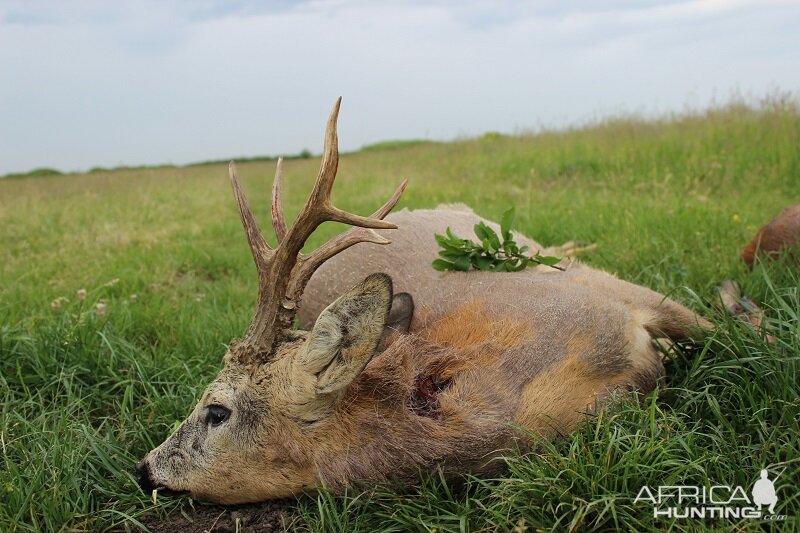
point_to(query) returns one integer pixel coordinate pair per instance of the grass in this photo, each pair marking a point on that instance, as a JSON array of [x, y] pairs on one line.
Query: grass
[[394, 145], [670, 202]]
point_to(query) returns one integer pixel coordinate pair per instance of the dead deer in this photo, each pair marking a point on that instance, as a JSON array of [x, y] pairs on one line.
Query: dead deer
[[442, 373]]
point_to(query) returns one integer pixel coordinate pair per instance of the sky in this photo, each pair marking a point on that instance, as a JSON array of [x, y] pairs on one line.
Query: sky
[[98, 83]]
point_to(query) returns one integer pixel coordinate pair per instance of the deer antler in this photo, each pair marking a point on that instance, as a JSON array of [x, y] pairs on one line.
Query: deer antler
[[283, 271]]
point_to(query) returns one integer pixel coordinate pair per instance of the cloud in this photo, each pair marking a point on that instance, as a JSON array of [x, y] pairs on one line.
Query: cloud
[[107, 83]]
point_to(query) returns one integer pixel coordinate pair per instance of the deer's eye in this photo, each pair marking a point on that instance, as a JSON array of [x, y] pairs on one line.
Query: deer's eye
[[217, 415]]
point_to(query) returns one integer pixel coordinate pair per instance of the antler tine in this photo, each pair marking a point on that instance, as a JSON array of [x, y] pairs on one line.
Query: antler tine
[[278, 220], [306, 268], [330, 158], [320, 199], [338, 215], [258, 246], [308, 264], [391, 202]]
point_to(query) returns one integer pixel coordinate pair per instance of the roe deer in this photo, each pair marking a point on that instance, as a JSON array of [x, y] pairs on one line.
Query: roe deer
[[389, 383]]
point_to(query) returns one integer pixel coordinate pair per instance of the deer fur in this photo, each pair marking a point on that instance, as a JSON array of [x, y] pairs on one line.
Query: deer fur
[[779, 234], [404, 369]]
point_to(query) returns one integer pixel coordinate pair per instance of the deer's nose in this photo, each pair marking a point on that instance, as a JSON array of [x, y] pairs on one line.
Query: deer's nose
[[143, 477]]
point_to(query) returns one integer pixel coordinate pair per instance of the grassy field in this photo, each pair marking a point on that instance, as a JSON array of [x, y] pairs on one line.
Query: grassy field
[[86, 391]]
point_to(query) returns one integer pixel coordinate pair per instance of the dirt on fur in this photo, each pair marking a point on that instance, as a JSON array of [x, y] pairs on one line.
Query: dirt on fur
[[278, 515]]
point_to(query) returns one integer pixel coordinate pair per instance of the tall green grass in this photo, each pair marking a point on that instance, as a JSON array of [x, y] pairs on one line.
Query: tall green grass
[[670, 203]]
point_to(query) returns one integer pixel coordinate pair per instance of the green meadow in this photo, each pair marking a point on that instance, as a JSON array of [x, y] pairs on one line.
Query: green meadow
[[89, 385]]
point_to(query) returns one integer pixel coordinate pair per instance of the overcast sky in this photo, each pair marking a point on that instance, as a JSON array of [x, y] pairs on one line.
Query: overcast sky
[[104, 83]]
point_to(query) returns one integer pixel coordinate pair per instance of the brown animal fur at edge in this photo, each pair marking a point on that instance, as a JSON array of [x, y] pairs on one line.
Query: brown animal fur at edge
[[371, 394], [780, 233]]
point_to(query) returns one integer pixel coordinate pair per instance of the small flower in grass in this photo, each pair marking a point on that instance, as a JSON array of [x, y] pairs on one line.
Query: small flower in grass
[[101, 308], [199, 297], [736, 217], [55, 305], [81, 294], [134, 298]]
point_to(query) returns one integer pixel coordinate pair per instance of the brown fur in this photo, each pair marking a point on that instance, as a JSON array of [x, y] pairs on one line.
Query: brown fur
[[449, 331], [782, 232], [391, 440], [555, 401]]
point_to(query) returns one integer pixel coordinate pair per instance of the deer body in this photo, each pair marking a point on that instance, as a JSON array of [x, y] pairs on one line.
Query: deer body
[[406, 370], [537, 348]]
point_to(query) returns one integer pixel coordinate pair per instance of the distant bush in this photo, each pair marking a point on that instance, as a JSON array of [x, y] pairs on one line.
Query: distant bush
[[44, 171], [138, 167], [255, 159], [36, 173], [303, 154], [490, 136]]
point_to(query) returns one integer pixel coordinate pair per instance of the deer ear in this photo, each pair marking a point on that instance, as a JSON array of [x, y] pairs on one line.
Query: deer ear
[[346, 334], [399, 321]]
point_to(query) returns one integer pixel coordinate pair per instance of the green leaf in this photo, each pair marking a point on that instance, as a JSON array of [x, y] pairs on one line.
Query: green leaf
[[506, 222], [452, 235], [451, 255], [462, 264], [442, 240], [493, 238], [483, 263], [510, 247], [490, 233], [496, 244], [547, 259], [480, 231], [515, 266], [441, 265], [471, 246]]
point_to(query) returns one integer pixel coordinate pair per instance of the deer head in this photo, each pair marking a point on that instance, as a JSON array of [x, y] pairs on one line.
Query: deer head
[[249, 437]]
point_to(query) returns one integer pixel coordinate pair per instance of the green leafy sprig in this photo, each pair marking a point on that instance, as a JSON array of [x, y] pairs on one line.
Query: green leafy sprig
[[491, 253]]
